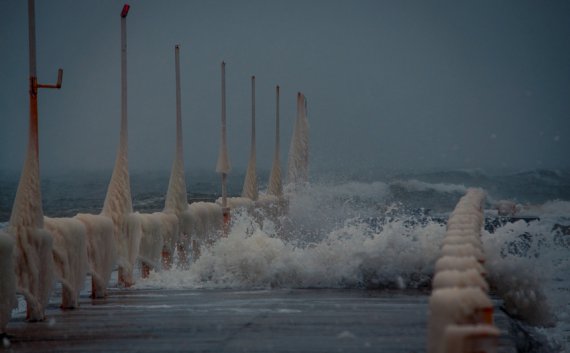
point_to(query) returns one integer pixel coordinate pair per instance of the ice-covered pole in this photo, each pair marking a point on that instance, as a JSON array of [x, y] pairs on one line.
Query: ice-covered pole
[[275, 186], [223, 165], [250, 184], [34, 265], [124, 13], [176, 200], [298, 163], [118, 203]]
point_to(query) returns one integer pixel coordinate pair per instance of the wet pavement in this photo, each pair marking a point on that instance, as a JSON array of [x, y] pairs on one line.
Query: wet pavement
[[299, 320]]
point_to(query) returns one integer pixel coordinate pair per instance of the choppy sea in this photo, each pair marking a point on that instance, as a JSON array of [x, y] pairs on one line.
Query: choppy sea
[[377, 232]]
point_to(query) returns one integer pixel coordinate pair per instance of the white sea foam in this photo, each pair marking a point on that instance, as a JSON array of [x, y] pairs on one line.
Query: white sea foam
[[528, 266], [354, 255], [417, 185]]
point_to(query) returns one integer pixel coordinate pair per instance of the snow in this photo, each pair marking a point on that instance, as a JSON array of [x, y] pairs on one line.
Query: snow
[[101, 250], [70, 256], [8, 283]]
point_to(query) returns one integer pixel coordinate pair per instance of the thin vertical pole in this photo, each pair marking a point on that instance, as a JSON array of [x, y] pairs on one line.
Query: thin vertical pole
[[223, 166], [252, 152], [178, 101], [32, 36], [124, 126], [224, 173], [33, 135], [277, 123]]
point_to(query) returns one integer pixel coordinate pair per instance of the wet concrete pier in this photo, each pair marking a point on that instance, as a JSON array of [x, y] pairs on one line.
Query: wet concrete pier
[[300, 320]]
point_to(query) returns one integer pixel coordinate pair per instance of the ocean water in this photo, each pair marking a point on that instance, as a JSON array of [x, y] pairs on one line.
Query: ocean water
[[376, 232]]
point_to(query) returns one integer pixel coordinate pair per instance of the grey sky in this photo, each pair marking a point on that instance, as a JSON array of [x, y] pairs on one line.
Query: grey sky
[[390, 84]]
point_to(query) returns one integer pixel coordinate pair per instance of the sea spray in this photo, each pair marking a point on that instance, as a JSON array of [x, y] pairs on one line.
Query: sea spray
[[356, 255]]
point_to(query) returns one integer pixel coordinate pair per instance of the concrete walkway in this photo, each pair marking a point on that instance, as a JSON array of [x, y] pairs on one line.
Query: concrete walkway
[[236, 321]]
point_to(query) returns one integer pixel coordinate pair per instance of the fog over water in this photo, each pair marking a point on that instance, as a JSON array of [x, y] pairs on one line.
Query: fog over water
[[406, 85]]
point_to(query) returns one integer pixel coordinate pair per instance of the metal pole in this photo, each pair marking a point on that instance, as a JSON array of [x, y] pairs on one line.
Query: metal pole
[[252, 152], [124, 126], [33, 135], [32, 36], [277, 123], [224, 174], [178, 101]]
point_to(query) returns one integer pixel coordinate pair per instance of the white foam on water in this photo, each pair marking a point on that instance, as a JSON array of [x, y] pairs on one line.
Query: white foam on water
[[528, 266], [354, 255], [417, 185]]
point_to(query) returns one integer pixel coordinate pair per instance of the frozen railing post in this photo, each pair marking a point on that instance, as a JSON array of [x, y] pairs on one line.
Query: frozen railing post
[[34, 266], [298, 163], [250, 189], [118, 203], [275, 187], [8, 283], [461, 313], [176, 201], [223, 165]]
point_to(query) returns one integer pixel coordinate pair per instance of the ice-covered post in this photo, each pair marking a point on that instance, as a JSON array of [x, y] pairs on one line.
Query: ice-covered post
[[275, 187], [223, 166], [118, 203], [298, 163], [176, 199], [124, 13], [250, 183], [35, 262]]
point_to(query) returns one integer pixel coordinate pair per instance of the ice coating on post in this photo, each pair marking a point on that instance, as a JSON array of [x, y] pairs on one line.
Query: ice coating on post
[[176, 201], [118, 201], [223, 165], [70, 257], [275, 187], [8, 283], [298, 163], [34, 264], [250, 184]]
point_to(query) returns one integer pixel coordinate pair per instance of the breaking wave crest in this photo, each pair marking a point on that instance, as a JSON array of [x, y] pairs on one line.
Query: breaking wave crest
[[358, 254]]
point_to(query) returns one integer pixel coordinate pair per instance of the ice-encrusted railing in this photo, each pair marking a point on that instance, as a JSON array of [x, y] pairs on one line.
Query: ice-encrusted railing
[[460, 310]]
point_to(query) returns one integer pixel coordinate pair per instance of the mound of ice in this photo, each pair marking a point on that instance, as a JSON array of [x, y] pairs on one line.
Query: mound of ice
[[69, 255], [101, 250], [8, 283]]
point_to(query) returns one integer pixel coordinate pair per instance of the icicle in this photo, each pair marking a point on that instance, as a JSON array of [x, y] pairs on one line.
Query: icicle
[[250, 184]]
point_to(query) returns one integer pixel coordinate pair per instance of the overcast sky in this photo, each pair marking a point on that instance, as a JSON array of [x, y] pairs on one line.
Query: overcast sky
[[390, 84]]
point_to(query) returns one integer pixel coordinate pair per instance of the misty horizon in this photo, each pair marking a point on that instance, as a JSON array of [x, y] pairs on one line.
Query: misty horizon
[[391, 87]]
